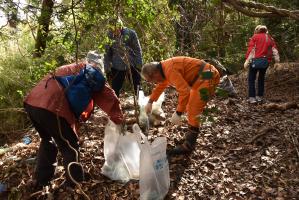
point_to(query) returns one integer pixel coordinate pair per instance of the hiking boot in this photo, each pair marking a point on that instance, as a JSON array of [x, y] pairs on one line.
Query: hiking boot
[[181, 149], [188, 145], [33, 185], [259, 99], [74, 173], [252, 100]]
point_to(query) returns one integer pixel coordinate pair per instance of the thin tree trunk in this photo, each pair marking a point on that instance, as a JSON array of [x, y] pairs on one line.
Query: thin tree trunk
[[220, 33], [43, 27]]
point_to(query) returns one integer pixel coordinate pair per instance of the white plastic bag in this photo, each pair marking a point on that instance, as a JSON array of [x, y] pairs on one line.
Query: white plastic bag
[[122, 154], [154, 178], [143, 117], [157, 115], [227, 85]]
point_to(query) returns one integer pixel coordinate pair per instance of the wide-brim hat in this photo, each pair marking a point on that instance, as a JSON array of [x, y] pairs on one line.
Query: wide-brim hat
[[93, 56]]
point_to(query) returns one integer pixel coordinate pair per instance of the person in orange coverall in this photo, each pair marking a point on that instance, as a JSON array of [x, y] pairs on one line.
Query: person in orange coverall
[[195, 81], [51, 115]]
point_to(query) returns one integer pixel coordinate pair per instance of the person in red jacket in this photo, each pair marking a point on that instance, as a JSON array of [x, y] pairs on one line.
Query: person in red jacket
[[261, 48], [195, 81], [51, 115]]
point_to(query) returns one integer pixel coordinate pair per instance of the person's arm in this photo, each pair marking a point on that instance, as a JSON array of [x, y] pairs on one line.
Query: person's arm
[[108, 57], [183, 89], [275, 55], [157, 91], [136, 49], [250, 50], [109, 103]]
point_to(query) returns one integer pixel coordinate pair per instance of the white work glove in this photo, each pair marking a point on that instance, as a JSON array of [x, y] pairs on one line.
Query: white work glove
[[176, 119], [246, 64], [148, 108]]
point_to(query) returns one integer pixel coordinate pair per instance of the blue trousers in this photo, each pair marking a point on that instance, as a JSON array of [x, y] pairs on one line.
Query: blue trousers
[[118, 78], [251, 81]]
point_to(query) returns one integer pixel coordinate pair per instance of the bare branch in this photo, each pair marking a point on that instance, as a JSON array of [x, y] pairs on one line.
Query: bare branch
[[261, 10]]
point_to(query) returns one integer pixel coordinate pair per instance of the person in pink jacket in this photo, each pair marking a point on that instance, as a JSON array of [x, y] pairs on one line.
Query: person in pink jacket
[[51, 115]]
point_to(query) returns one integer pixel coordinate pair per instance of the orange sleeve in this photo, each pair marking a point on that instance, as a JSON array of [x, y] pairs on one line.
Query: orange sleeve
[[182, 88], [157, 91]]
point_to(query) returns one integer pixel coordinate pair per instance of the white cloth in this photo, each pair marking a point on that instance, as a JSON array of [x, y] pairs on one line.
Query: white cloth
[[249, 58], [275, 55]]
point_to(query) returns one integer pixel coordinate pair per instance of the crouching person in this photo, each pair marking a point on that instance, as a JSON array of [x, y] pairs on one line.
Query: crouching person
[[57, 104], [195, 81]]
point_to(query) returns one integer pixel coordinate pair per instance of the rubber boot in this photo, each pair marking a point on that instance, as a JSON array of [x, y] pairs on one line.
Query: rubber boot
[[188, 145]]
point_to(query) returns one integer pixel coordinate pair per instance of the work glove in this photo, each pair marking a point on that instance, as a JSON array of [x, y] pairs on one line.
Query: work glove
[[148, 108], [246, 64], [176, 119]]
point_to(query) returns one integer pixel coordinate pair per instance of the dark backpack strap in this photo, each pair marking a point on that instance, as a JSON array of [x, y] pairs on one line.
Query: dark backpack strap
[[201, 67]]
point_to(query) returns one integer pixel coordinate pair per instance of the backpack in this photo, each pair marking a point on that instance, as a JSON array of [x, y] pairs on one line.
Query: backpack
[[79, 88], [216, 63]]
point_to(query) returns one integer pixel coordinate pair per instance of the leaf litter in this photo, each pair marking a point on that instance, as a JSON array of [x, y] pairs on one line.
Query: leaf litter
[[249, 152]]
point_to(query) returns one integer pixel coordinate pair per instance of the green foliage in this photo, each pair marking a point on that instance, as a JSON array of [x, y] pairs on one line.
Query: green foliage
[[221, 93], [207, 115], [18, 74], [285, 32]]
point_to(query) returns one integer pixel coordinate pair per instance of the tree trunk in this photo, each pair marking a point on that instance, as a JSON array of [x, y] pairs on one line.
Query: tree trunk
[[192, 18], [220, 33], [43, 27]]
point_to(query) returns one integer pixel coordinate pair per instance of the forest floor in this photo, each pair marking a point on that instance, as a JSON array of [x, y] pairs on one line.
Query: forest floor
[[249, 152]]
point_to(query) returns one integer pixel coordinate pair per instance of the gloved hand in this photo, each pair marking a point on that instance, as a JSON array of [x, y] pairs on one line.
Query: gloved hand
[[148, 108], [176, 119], [246, 64]]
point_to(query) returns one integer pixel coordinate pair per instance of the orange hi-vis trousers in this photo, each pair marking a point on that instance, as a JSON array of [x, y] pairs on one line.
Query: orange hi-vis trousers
[[197, 101]]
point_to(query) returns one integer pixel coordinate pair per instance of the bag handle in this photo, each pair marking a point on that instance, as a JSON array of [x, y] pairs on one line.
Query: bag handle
[[138, 132]]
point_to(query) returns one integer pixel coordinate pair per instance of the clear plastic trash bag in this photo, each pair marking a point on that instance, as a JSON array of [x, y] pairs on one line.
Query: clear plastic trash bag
[[132, 156], [227, 85], [157, 115], [122, 154], [154, 178]]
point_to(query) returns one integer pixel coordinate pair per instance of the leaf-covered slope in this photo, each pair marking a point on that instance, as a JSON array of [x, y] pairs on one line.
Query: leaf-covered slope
[[249, 152]]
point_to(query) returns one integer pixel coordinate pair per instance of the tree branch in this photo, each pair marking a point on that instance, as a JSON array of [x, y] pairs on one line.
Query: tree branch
[[262, 10]]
